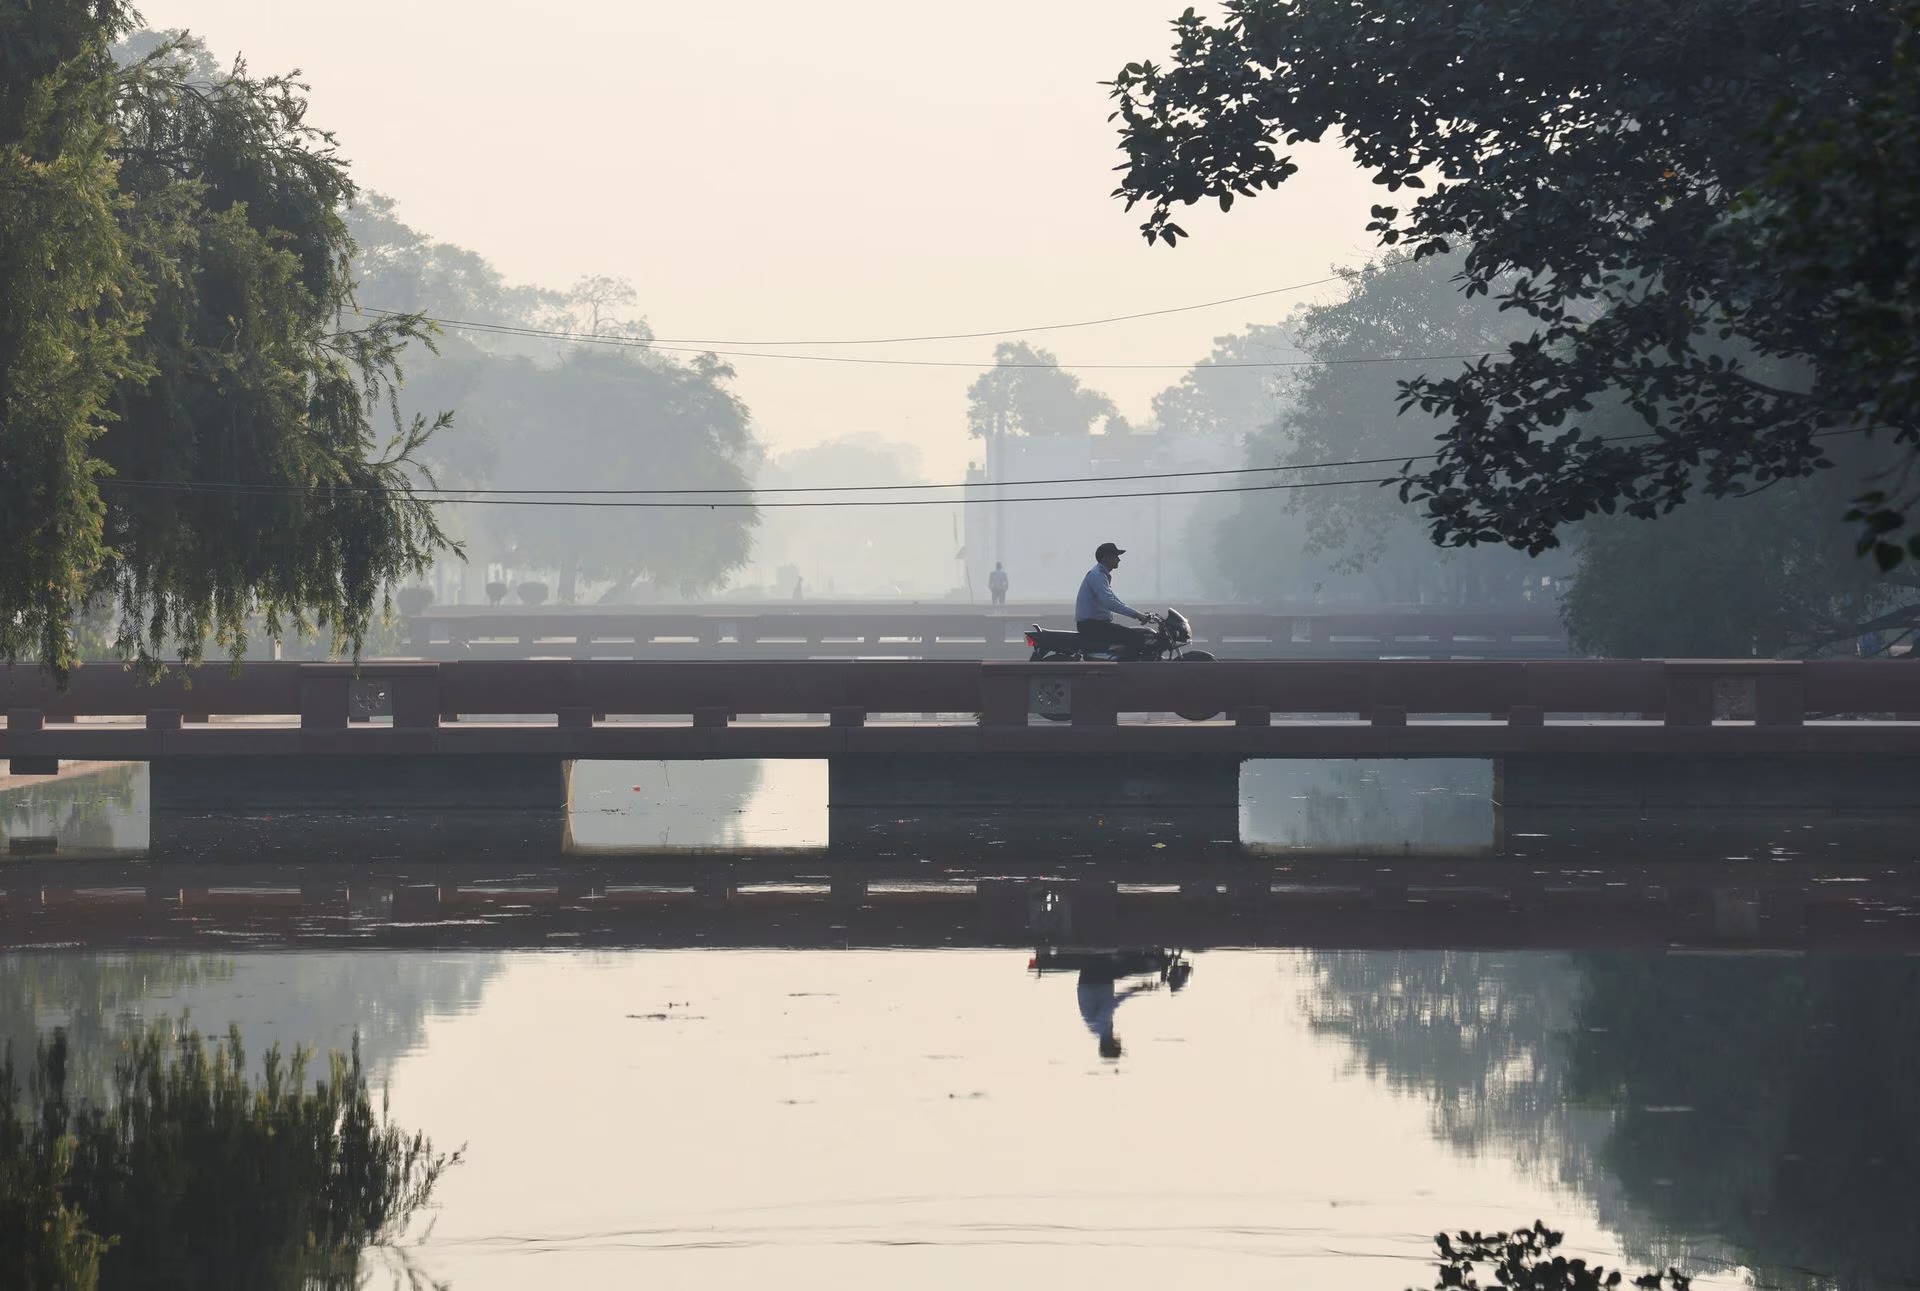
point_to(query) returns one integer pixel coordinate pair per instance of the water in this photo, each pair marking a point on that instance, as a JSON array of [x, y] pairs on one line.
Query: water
[[935, 1119], [1674, 1057]]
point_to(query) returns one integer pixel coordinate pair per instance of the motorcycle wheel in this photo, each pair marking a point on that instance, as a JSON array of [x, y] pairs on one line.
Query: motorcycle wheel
[[1195, 656]]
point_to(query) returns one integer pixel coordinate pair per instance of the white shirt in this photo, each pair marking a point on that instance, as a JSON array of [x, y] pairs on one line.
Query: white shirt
[[1096, 599]]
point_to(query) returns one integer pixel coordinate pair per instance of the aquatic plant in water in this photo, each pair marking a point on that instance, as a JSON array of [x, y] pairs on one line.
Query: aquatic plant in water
[[190, 1175]]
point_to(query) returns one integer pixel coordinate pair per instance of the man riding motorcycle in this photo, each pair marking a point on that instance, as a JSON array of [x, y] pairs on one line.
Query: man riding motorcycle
[[1095, 606]]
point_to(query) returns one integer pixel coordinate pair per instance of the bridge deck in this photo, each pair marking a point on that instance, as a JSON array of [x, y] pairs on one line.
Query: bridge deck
[[1486, 708], [647, 741]]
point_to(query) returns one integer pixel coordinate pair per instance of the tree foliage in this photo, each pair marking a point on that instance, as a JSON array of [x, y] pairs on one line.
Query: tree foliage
[[1339, 523], [74, 303], [541, 414], [188, 425], [1218, 397], [1027, 392], [1589, 163], [1767, 575], [627, 420]]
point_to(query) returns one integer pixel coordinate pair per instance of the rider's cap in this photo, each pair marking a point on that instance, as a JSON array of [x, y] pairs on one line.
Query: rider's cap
[[1106, 549]]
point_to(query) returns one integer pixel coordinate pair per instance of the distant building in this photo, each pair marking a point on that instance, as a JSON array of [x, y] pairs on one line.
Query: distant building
[[1047, 546]]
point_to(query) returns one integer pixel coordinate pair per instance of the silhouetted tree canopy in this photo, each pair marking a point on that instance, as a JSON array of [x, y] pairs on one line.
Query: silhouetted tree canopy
[[1027, 392], [1606, 171]]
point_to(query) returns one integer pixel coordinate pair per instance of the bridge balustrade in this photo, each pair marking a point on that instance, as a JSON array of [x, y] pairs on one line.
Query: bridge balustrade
[[930, 631], [577, 693]]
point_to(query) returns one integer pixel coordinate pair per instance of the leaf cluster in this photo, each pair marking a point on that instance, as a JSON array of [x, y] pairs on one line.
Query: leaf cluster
[[1590, 164], [189, 428], [1526, 1260]]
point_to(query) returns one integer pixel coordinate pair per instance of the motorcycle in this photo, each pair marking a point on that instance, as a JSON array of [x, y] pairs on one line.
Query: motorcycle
[[1172, 634], [1170, 966]]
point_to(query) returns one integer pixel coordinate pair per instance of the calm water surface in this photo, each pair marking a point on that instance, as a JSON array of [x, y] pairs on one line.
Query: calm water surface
[[940, 1118], [801, 1113]]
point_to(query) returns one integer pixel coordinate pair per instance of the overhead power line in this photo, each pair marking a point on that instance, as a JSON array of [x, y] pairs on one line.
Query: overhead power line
[[727, 504], [999, 331], [637, 343], [819, 488], [457, 494]]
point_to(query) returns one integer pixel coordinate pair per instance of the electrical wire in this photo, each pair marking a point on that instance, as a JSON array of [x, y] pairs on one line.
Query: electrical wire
[[838, 488], [637, 343], [1001, 331], [643, 505], [211, 486]]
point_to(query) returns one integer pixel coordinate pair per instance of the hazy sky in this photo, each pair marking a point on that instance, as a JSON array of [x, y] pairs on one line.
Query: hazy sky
[[764, 170]]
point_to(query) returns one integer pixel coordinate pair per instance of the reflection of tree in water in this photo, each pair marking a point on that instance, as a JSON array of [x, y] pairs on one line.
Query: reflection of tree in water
[[1800, 1139], [81, 811], [319, 1000], [1382, 804], [1743, 1107], [92, 996], [1471, 1034]]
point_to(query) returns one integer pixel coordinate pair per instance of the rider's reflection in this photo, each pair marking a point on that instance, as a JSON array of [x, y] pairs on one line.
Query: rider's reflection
[[1100, 974], [1099, 1000]]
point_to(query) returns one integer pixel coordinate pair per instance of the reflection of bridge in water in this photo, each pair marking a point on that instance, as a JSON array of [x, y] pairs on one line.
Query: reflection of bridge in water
[[810, 901]]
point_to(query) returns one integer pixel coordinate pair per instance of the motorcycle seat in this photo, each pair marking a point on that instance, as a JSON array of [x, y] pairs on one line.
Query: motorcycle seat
[[1047, 639]]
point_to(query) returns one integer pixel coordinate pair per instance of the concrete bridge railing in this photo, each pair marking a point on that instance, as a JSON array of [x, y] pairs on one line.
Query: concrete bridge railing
[[1002, 694], [960, 632]]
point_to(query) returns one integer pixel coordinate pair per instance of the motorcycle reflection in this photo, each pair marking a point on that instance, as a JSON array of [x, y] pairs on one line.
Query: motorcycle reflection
[[1100, 974]]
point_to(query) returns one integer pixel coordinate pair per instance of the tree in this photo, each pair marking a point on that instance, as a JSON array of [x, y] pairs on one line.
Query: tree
[[625, 419], [1835, 222], [75, 302], [1589, 163], [1766, 575], [1219, 396], [186, 425], [1027, 392], [1345, 408], [540, 413]]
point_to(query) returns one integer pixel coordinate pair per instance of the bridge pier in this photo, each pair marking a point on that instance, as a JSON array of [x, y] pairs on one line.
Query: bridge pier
[[1793, 782], [1034, 780], [401, 782], [303, 807], [1106, 801], [1598, 804]]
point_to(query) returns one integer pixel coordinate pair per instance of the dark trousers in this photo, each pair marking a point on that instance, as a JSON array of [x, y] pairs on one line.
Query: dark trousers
[[1104, 632]]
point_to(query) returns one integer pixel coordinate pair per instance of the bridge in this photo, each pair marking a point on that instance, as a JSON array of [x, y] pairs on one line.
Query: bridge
[[929, 733], [954, 631]]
